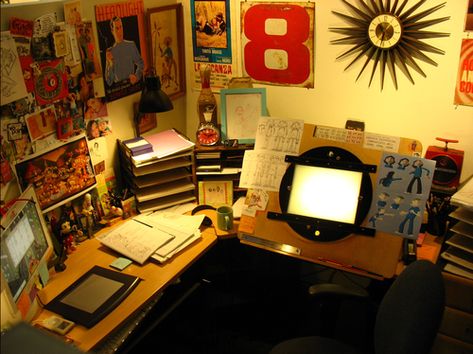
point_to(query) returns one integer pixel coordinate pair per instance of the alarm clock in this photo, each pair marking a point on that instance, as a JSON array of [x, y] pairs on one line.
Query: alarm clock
[[208, 134], [448, 166]]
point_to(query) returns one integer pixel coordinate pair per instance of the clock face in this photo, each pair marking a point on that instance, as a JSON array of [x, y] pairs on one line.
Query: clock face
[[390, 35], [385, 31], [208, 135]]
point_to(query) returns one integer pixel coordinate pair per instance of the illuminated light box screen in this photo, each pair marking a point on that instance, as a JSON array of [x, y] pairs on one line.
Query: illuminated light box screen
[[325, 193]]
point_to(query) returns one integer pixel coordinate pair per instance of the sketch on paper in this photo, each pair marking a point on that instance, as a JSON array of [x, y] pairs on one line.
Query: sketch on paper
[[263, 169], [12, 84], [283, 135]]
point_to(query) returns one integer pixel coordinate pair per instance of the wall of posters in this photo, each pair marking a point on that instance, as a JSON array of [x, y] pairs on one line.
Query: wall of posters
[[464, 87], [122, 42], [211, 40], [13, 86], [278, 42]]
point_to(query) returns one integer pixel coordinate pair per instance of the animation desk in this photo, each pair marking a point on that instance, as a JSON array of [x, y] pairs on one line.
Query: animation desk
[[376, 257], [155, 278]]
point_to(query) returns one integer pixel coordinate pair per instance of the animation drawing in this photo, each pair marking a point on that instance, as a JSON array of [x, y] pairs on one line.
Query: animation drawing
[[417, 176]]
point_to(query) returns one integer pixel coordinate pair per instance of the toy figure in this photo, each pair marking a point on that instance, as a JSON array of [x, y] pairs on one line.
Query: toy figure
[[67, 237], [89, 212]]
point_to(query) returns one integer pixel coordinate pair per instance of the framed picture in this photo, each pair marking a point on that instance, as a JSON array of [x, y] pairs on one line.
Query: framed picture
[[241, 109], [144, 122], [216, 193], [166, 44], [58, 175]]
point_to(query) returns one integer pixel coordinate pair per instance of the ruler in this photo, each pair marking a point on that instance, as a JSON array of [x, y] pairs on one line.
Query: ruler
[[282, 247]]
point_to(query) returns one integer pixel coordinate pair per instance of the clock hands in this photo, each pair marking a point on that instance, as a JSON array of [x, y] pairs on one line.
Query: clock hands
[[388, 35]]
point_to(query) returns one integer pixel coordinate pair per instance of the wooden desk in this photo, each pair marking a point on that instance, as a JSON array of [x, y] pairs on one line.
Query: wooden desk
[[155, 278]]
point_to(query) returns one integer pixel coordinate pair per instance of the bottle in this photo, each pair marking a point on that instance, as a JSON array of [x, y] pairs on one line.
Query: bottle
[[206, 103]]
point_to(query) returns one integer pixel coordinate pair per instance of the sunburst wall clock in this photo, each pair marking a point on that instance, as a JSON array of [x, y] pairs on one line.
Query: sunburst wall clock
[[388, 34]]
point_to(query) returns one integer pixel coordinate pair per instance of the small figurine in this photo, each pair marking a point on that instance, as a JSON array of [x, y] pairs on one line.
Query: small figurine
[[67, 236], [116, 211], [88, 211]]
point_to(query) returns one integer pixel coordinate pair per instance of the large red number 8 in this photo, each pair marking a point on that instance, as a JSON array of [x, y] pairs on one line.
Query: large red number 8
[[298, 29]]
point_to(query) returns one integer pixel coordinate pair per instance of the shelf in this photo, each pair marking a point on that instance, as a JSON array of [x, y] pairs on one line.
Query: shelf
[[230, 160]]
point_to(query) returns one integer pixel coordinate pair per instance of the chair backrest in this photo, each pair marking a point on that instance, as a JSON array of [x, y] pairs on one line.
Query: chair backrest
[[411, 311]]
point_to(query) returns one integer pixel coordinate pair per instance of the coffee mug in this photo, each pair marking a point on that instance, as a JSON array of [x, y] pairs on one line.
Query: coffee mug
[[225, 217]]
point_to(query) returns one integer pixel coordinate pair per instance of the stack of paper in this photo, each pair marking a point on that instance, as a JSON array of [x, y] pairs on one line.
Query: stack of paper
[[464, 196], [159, 236], [183, 228]]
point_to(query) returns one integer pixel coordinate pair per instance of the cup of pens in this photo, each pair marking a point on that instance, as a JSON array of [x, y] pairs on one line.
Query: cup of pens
[[438, 208]]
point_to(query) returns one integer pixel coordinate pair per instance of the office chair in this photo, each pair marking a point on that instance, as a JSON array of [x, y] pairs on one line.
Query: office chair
[[406, 322]]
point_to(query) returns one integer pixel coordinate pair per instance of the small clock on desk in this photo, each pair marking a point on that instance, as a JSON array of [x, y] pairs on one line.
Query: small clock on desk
[[208, 134]]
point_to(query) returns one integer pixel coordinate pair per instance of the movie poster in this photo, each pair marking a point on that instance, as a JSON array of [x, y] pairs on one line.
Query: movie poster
[[464, 87], [211, 40], [122, 43]]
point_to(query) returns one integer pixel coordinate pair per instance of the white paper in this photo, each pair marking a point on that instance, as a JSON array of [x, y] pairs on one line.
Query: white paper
[[183, 228], [136, 240], [263, 169], [12, 84], [282, 135]]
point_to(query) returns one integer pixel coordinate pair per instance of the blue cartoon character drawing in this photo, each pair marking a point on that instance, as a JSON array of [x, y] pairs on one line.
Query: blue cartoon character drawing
[[410, 216], [388, 179], [397, 202], [382, 200], [403, 163], [389, 161], [417, 176], [378, 216]]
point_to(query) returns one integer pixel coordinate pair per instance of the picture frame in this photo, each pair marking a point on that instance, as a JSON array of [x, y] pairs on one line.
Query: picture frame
[[166, 48], [144, 122], [240, 112], [216, 193], [59, 174]]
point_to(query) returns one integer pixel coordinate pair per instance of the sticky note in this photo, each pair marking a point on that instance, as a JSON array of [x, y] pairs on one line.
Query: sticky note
[[120, 263]]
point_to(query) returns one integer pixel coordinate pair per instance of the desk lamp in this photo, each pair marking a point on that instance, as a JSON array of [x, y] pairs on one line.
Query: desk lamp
[[153, 99]]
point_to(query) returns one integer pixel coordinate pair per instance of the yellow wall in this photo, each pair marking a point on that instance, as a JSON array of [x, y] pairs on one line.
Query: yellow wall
[[423, 111]]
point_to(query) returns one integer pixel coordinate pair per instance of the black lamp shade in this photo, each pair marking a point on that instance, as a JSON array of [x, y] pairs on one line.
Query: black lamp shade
[[153, 99]]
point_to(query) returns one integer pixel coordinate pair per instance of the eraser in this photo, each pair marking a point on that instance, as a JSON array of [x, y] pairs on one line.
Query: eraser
[[120, 263]]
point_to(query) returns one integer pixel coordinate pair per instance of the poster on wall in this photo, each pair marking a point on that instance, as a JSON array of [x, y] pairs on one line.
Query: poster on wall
[[469, 17], [278, 42], [13, 87], [59, 174], [211, 40], [402, 189], [122, 43], [464, 87], [165, 28]]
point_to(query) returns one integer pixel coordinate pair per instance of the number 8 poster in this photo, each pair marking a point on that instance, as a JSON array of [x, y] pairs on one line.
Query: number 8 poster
[[278, 42]]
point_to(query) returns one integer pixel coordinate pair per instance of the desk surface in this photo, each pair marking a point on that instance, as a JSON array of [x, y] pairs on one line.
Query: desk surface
[[156, 277]]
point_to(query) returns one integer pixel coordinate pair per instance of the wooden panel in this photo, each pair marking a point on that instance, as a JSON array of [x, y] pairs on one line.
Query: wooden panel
[[155, 278], [378, 255]]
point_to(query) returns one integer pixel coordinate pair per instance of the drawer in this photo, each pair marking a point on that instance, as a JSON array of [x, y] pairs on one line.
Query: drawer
[[459, 292], [448, 345], [457, 324]]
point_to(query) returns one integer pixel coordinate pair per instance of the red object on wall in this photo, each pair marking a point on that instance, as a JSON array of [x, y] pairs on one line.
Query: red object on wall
[[449, 164], [296, 43]]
